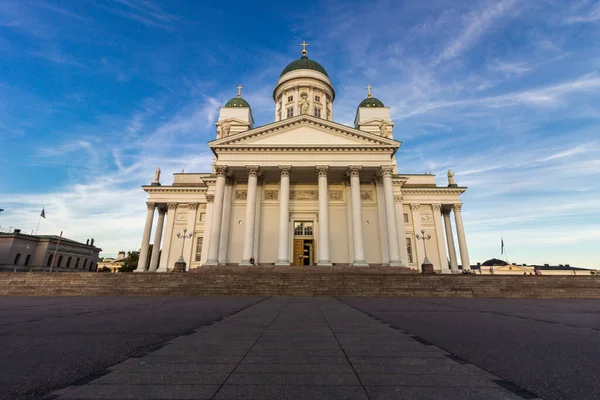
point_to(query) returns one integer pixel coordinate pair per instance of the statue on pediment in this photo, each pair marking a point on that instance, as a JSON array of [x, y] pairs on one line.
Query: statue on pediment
[[383, 129], [225, 129], [451, 182], [304, 103]]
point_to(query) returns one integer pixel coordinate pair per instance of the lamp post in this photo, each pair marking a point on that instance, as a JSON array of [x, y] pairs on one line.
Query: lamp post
[[426, 267], [180, 264]]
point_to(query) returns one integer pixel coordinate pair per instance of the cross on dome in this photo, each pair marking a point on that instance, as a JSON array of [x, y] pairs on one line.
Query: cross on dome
[[239, 88], [304, 44], [369, 91]]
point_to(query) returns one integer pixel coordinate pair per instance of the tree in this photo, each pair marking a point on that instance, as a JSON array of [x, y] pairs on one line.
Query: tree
[[130, 262]]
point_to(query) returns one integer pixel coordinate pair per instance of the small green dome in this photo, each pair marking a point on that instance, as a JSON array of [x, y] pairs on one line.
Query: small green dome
[[237, 102], [371, 102], [304, 63]]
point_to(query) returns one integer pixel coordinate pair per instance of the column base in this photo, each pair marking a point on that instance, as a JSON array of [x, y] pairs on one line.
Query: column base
[[359, 264], [283, 263], [245, 264], [211, 263], [396, 264], [324, 264], [139, 270]]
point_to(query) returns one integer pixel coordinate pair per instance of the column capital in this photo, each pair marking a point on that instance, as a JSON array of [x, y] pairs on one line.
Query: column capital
[[436, 206], [456, 207], [414, 206], [193, 206], [354, 170], [162, 210], [151, 205], [285, 170], [221, 170], [322, 170], [252, 170], [210, 198], [387, 170], [172, 206], [446, 210]]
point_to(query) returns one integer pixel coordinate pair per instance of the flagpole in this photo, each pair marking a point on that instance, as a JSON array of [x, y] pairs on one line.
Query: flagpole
[[55, 251], [38, 225]]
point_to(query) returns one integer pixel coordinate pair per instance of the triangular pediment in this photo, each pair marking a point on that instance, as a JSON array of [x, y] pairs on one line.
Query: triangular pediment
[[305, 131]]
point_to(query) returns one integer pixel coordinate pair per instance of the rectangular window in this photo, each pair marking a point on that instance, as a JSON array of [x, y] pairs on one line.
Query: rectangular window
[[199, 248], [290, 112], [317, 112], [405, 218], [303, 228], [202, 217], [409, 250], [290, 98], [318, 99]]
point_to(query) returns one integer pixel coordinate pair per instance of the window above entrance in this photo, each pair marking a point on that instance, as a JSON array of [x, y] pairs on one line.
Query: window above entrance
[[303, 228]]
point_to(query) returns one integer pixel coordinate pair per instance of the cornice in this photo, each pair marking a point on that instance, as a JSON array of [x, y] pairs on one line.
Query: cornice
[[171, 189], [306, 148], [437, 190]]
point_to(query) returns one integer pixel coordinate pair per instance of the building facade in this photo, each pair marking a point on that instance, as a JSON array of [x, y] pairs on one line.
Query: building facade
[[304, 190], [21, 252]]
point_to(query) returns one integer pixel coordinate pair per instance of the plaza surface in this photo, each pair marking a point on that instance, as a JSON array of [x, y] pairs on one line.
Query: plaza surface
[[301, 347]]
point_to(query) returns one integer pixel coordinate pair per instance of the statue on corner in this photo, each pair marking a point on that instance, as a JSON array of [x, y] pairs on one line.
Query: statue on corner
[[451, 182], [383, 129], [304, 103], [225, 129]]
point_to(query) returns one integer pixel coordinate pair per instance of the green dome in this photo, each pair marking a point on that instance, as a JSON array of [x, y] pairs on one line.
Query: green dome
[[371, 102], [304, 63], [237, 102]]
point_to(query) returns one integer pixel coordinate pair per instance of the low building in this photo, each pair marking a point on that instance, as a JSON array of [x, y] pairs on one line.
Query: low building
[[112, 264], [22, 252], [499, 267]]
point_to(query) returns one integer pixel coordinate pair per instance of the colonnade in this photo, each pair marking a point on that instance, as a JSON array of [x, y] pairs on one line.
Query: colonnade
[[323, 249]]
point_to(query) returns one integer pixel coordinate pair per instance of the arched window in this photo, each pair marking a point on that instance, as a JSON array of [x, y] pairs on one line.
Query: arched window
[[27, 259], [49, 263], [59, 261], [91, 266], [77, 263], [69, 262], [17, 259], [84, 263]]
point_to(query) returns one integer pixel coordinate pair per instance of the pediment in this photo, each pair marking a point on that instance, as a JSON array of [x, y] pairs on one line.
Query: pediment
[[305, 131]]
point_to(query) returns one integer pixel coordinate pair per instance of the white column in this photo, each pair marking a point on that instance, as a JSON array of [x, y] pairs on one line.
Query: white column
[[141, 267], [215, 228], [385, 257], [390, 211], [323, 250], [157, 237], [401, 227], [439, 237], [419, 245], [166, 248], [250, 214], [224, 239], [283, 257], [357, 221], [257, 209], [311, 94], [296, 100], [450, 240], [462, 240]]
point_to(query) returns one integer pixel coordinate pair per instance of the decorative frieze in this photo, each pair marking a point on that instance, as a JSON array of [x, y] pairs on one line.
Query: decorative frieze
[[336, 195], [366, 195], [426, 219], [241, 194], [271, 194], [304, 194]]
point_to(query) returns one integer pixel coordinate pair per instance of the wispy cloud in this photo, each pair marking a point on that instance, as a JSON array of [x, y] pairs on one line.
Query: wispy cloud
[[592, 14]]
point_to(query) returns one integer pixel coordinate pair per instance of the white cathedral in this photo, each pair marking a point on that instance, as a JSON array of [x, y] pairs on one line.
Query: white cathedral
[[304, 190]]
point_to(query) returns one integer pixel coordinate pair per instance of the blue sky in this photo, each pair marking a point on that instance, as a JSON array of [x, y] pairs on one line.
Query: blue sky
[[94, 95]]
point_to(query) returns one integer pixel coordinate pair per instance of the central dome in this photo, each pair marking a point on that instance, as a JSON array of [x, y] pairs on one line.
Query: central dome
[[304, 63]]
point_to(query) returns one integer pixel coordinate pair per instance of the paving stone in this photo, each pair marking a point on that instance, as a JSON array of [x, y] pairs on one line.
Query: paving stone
[[158, 367], [439, 393], [294, 360], [325, 392], [294, 378], [251, 392], [296, 368], [147, 392], [425, 380], [162, 378], [186, 358]]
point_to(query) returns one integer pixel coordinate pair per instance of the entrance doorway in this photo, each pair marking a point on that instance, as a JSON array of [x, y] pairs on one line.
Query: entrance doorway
[[303, 243], [303, 252]]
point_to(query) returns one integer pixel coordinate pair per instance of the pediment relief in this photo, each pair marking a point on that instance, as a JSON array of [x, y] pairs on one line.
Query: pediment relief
[[305, 132]]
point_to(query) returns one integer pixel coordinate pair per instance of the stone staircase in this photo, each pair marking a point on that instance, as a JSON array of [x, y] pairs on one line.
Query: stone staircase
[[297, 281]]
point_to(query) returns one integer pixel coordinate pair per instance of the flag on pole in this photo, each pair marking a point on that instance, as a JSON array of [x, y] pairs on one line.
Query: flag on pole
[[501, 246], [43, 213]]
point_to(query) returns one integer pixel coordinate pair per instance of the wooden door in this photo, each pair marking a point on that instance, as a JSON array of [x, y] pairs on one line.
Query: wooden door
[[298, 252]]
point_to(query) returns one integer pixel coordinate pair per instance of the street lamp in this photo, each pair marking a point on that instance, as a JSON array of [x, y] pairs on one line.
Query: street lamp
[[426, 266], [180, 264]]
